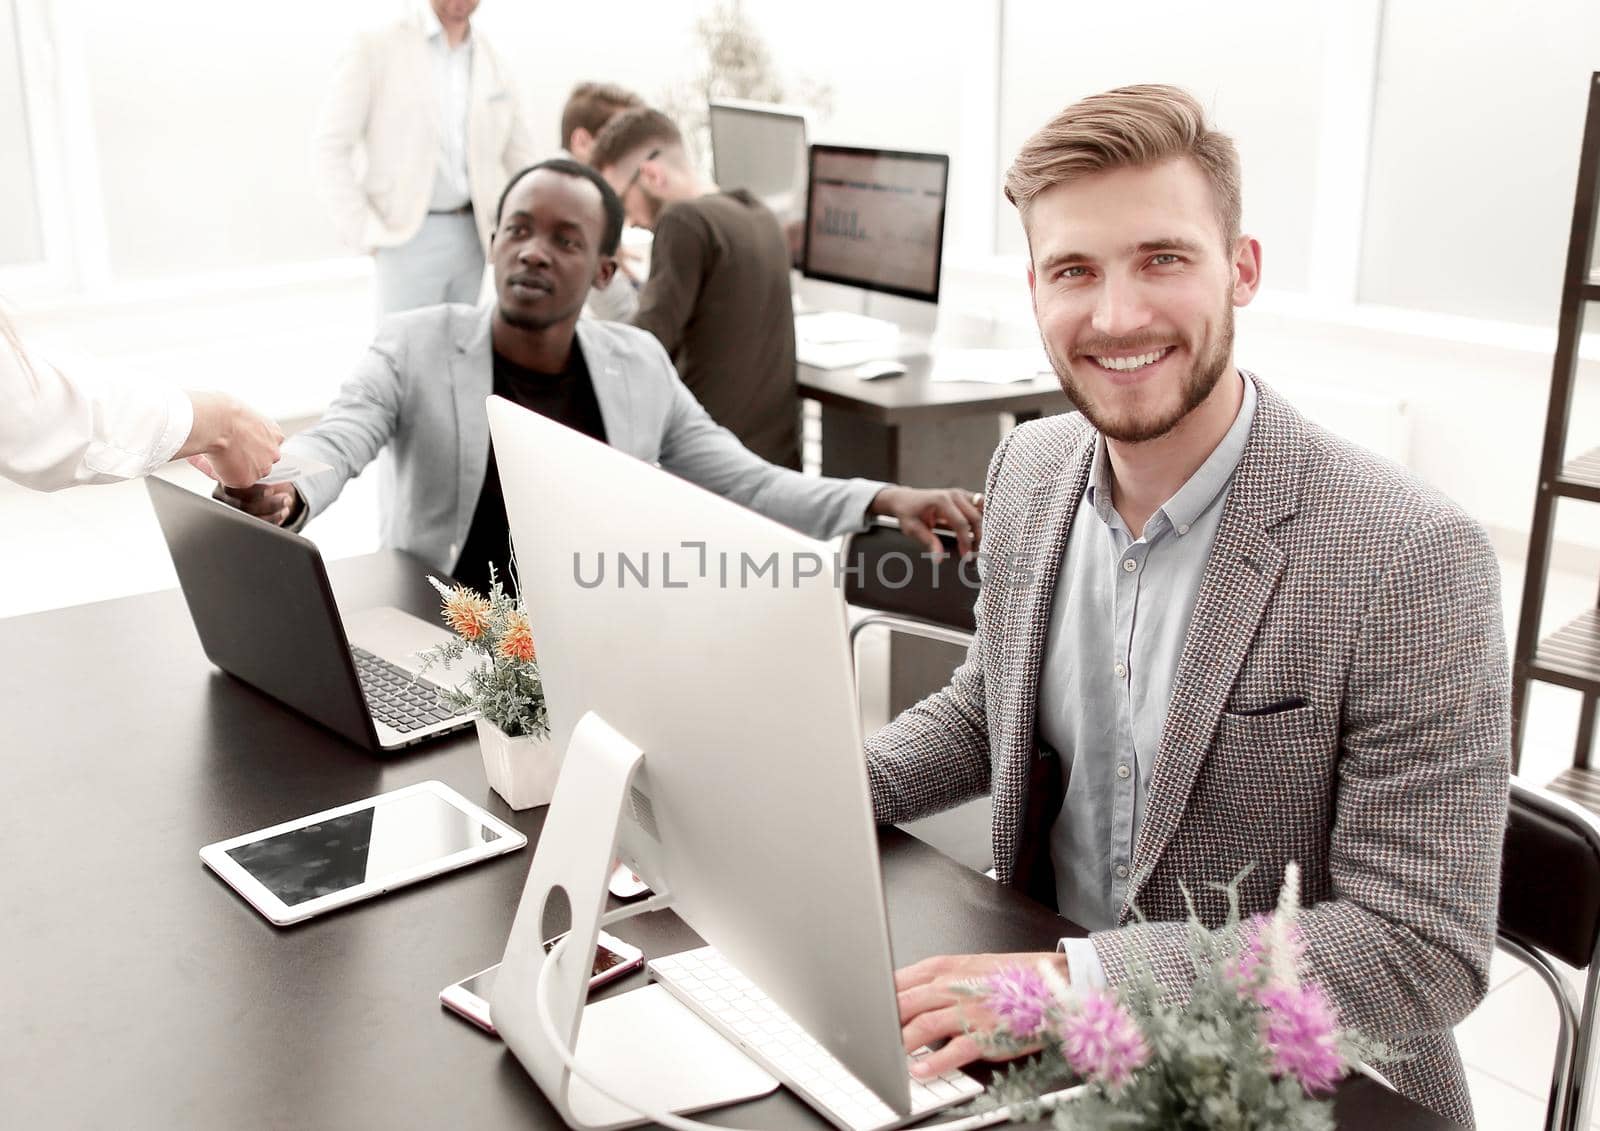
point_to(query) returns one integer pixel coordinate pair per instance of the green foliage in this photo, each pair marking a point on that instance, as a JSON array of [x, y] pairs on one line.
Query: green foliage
[[503, 688]]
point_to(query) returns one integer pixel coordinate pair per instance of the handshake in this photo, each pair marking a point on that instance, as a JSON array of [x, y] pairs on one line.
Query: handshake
[[277, 503], [242, 451]]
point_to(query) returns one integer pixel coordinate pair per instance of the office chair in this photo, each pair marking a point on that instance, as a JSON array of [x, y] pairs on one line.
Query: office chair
[[888, 572], [1550, 910]]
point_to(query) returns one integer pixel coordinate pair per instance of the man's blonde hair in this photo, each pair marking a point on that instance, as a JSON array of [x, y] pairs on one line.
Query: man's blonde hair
[[1126, 128], [591, 105]]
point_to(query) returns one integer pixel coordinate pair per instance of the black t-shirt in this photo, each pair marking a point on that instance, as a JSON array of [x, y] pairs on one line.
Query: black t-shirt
[[567, 398]]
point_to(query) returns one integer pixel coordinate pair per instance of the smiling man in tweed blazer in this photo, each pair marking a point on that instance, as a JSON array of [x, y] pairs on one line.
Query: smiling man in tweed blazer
[[1210, 633]]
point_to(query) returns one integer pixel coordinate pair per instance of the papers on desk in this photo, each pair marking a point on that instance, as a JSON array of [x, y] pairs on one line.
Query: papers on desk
[[836, 339], [989, 367], [841, 355], [826, 327]]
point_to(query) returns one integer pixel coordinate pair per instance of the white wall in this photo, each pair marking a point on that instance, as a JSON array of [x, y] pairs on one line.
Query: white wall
[[1254, 64], [202, 114], [21, 238], [1479, 111]]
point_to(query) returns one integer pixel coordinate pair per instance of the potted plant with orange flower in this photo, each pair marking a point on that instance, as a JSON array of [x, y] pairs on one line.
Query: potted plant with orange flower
[[505, 692]]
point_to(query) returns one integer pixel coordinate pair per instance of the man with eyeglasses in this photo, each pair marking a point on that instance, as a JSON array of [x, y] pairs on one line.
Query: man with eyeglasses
[[717, 295], [417, 398]]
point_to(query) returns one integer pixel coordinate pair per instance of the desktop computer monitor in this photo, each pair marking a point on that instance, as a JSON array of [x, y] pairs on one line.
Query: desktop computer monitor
[[761, 147], [875, 219], [715, 641]]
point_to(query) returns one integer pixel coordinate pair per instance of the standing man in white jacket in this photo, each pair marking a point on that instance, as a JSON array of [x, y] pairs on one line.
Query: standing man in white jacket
[[433, 110]]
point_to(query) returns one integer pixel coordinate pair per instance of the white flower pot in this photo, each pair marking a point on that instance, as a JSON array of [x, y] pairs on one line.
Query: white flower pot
[[522, 770]]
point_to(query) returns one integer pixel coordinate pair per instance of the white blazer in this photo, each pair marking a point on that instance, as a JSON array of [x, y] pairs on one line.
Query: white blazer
[[383, 104]]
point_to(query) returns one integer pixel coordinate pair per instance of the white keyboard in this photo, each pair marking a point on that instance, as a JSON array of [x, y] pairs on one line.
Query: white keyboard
[[736, 1008], [830, 326], [841, 355], [837, 339]]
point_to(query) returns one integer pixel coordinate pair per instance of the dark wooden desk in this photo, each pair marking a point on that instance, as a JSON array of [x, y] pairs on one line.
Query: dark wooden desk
[[909, 429], [140, 992]]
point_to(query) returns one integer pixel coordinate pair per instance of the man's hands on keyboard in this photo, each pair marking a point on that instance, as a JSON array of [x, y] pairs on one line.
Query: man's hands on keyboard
[[937, 1004], [733, 1005]]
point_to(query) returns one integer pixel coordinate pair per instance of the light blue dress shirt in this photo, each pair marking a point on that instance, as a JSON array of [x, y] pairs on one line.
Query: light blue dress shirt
[[1117, 626], [452, 84]]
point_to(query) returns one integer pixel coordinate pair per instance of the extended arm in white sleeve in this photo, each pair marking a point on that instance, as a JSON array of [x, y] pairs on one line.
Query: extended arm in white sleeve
[[59, 430]]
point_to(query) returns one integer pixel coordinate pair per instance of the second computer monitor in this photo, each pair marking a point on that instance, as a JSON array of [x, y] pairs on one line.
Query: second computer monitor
[[761, 147], [875, 219]]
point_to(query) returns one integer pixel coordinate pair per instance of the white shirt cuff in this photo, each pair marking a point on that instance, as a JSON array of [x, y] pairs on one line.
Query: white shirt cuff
[[1083, 964], [180, 422]]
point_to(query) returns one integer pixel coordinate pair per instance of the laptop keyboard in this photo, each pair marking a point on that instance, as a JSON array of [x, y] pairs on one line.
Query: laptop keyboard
[[396, 698], [736, 1008]]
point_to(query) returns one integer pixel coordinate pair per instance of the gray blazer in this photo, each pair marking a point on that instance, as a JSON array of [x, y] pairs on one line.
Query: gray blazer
[[1342, 700], [417, 397]]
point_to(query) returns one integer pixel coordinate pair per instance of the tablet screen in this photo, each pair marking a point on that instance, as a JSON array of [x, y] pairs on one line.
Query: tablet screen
[[395, 833]]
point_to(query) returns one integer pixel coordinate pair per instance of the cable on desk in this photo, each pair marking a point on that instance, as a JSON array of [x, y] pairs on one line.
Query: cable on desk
[[607, 1089]]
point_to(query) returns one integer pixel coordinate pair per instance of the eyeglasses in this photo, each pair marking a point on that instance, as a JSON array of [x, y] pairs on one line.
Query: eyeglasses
[[639, 168]]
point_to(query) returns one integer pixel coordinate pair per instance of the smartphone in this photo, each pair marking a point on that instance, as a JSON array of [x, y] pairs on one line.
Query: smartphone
[[469, 998]]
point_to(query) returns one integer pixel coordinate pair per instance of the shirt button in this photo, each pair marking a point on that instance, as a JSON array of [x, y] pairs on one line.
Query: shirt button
[[1122, 871], [1129, 565], [1122, 770], [1121, 670], [1184, 529]]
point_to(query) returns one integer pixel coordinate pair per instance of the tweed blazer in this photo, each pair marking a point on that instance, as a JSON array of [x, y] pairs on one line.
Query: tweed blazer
[[417, 398], [1341, 700]]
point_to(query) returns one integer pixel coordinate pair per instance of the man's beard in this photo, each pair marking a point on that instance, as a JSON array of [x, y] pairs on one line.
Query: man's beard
[[654, 204], [535, 323], [526, 321], [1197, 385]]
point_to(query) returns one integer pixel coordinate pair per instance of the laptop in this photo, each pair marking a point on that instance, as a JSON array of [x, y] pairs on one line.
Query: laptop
[[265, 613]]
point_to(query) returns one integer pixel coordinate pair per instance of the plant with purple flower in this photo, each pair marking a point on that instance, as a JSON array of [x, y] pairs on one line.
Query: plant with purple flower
[[1301, 1030], [1252, 1046], [1101, 1041], [1021, 1001], [1254, 965]]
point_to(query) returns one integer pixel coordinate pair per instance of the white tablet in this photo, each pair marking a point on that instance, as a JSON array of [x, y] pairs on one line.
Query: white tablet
[[313, 864]]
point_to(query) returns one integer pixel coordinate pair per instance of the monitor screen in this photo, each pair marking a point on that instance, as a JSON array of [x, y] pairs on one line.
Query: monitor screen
[[761, 148], [875, 219]]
